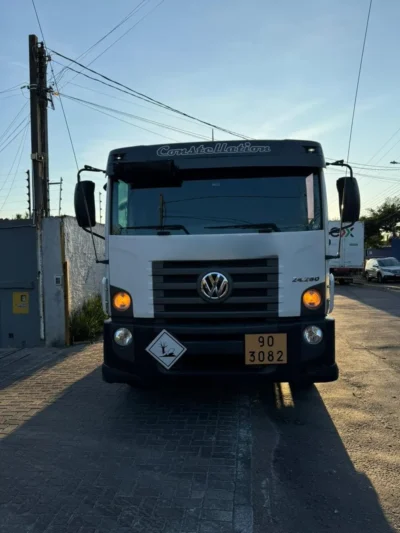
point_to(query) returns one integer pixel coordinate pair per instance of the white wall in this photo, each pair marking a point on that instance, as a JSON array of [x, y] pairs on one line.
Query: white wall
[[84, 274], [54, 310]]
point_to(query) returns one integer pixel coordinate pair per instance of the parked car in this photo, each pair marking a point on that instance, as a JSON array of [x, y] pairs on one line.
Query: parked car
[[382, 269]]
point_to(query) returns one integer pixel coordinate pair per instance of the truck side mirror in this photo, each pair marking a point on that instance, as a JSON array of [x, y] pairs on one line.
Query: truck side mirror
[[85, 206], [349, 199]]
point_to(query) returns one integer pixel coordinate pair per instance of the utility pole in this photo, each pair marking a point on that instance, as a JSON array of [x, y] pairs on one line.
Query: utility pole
[[212, 134], [39, 128], [28, 180], [100, 209]]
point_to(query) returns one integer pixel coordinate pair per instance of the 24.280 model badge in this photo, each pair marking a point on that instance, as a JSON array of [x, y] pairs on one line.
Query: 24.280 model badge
[[304, 280]]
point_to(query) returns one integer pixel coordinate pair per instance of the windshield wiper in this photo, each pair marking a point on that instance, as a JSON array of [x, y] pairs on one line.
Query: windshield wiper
[[161, 228], [267, 225]]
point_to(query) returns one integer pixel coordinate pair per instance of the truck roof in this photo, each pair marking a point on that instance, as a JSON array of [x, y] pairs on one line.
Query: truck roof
[[219, 154]]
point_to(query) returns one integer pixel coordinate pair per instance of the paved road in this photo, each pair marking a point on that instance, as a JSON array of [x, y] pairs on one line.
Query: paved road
[[80, 456]]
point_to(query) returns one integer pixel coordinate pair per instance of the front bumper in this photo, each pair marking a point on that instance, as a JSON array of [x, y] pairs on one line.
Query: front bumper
[[218, 350]]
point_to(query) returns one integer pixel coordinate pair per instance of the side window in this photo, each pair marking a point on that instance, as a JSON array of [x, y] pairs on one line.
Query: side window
[[123, 204]]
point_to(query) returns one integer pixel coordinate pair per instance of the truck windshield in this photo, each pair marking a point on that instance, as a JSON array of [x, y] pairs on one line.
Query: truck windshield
[[218, 204]]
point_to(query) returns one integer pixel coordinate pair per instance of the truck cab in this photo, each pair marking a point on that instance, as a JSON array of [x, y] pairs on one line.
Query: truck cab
[[217, 261]]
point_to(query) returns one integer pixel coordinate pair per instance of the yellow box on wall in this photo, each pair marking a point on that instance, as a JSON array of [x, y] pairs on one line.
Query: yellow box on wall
[[20, 303]]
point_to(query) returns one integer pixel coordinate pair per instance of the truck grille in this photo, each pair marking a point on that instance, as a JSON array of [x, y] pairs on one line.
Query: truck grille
[[255, 293]]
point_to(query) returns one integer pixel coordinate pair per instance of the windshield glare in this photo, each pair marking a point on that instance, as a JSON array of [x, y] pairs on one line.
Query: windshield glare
[[215, 204], [388, 262]]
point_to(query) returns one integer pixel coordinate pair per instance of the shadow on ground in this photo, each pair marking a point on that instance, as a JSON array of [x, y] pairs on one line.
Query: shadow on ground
[[311, 482], [17, 364], [376, 297], [199, 459]]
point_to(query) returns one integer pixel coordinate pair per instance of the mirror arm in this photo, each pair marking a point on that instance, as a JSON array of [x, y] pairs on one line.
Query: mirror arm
[[88, 168], [341, 163]]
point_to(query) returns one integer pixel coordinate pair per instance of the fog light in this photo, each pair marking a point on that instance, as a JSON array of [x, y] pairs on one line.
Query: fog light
[[313, 334], [123, 337]]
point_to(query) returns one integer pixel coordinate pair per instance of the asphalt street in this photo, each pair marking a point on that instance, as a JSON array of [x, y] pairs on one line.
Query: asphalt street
[[80, 456]]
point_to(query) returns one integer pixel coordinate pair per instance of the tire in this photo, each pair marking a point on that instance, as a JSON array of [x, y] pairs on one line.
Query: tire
[[379, 278], [367, 278]]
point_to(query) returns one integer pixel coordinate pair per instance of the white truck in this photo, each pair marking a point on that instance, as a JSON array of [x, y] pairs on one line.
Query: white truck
[[217, 261], [350, 262]]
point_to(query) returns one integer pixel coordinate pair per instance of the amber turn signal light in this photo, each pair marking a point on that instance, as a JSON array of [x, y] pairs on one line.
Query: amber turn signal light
[[121, 301], [312, 299]]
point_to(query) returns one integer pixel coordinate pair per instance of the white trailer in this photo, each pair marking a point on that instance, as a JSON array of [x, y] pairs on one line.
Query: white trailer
[[350, 262]]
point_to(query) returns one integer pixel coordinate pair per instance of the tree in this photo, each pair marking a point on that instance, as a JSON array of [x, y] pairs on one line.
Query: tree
[[383, 219], [18, 216], [388, 216]]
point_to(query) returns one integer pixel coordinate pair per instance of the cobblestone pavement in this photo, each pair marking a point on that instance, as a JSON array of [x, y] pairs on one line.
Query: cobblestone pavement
[[80, 456]]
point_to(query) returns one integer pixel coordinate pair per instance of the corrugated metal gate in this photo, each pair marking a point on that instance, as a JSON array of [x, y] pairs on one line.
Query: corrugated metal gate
[[19, 296]]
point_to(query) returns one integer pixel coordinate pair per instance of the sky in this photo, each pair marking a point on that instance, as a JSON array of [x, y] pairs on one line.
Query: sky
[[269, 70]]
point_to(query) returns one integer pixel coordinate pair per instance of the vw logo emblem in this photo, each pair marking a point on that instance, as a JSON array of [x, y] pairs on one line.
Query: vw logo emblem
[[214, 286]]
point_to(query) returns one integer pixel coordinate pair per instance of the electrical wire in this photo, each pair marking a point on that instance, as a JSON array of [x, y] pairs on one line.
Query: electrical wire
[[130, 123], [358, 81], [125, 100], [142, 96], [55, 81], [12, 122], [119, 38], [16, 156], [136, 117], [10, 89], [21, 150], [141, 4], [26, 120]]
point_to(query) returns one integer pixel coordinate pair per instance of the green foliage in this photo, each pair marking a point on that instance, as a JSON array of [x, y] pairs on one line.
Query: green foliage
[[86, 323], [18, 216], [383, 219]]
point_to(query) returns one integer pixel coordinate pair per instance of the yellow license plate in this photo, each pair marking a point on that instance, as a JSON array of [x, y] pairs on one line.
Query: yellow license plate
[[266, 349]]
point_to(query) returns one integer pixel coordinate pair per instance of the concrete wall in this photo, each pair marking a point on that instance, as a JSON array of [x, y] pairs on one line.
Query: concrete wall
[[54, 306], [84, 275]]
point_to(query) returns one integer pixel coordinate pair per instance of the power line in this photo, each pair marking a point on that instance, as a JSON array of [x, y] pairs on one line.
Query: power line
[[364, 166], [130, 123], [136, 117], [16, 135], [121, 36], [142, 96], [20, 150], [125, 19], [165, 113], [358, 81], [55, 81], [15, 157], [12, 122], [10, 89]]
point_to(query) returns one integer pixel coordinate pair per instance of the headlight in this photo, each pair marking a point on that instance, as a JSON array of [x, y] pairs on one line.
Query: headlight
[[123, 337], [121, 301], [313, 334], [312, 299]]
